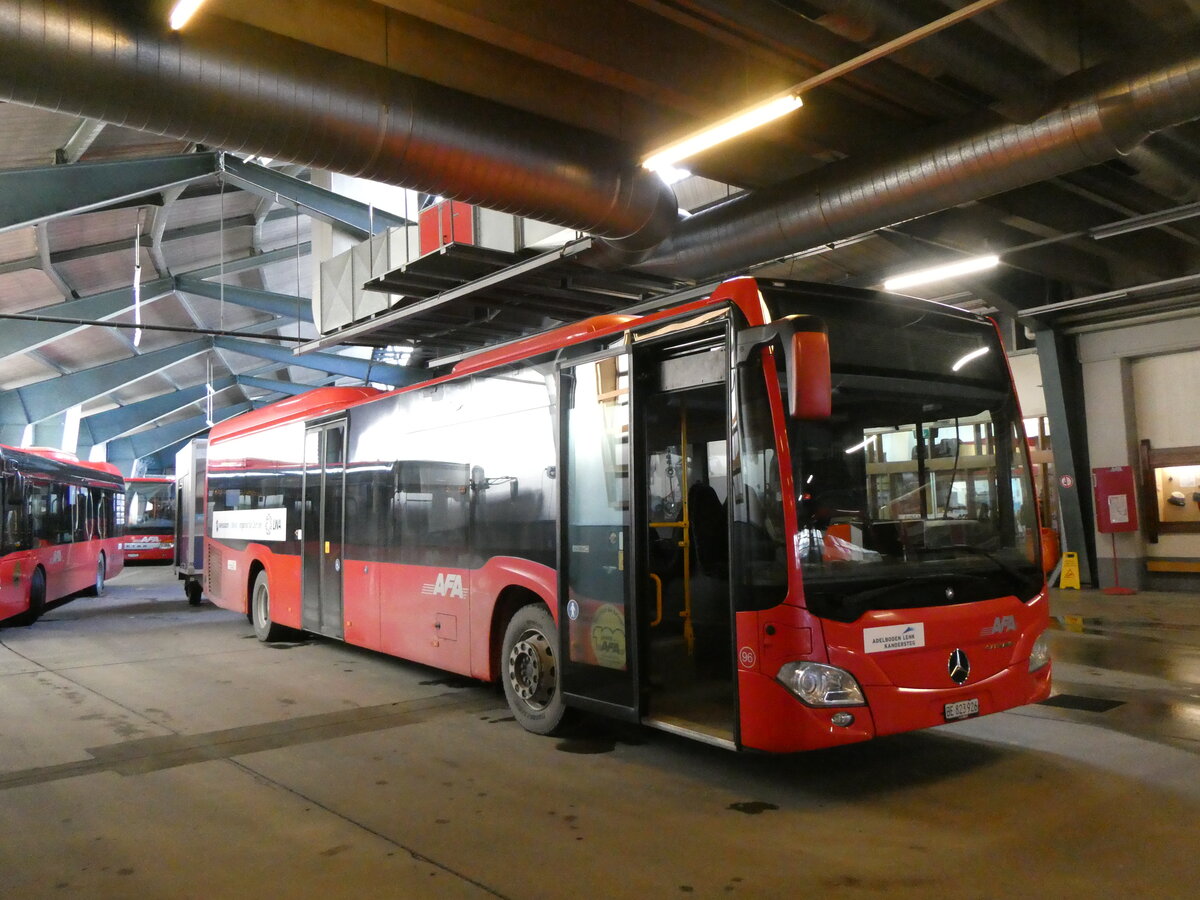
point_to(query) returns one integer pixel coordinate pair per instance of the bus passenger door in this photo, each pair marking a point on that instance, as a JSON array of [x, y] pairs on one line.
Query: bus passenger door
[[682, 456], [597, 622], [324, 523]]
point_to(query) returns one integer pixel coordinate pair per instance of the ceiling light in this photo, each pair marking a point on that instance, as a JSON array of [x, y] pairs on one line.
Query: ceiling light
[[939, 273], [974, 354], [727, 128], [672, 175], [860, 446], [182, 11]]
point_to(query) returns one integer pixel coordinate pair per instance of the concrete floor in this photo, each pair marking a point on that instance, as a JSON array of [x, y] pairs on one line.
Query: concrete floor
[[151, 749]]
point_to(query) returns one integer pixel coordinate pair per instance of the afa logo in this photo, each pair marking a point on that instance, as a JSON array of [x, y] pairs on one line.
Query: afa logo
[[1001, 625], [448, 584]]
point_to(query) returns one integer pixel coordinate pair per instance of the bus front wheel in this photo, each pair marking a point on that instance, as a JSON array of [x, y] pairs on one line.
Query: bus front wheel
[[260, 613], [530, 672], [37, 600]]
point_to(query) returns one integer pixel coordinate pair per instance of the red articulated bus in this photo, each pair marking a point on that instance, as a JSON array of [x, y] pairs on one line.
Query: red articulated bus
[[149, 520], [781, 517], [60, 532]]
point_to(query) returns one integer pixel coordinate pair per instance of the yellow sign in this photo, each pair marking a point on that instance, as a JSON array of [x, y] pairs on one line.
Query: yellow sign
[[608, 636], [1070, 571]]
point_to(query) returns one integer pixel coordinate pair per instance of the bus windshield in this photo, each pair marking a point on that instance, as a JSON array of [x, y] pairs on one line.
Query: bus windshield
[[916, 491], [150, 507]]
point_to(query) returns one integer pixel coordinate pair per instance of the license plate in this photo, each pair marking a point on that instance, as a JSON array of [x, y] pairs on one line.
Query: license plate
[[962, 709]]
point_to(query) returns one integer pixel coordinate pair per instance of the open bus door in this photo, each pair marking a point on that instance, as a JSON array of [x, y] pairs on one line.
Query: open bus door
[[646, 610], [597, 616], [324, 527]]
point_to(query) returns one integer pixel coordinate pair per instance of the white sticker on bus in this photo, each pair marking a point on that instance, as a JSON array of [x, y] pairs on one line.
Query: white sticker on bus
[[250, 524], [894, 637]]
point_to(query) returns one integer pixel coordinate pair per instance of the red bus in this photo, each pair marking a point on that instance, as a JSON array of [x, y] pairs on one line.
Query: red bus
[[60, 533], [780, 517], [149, 520]]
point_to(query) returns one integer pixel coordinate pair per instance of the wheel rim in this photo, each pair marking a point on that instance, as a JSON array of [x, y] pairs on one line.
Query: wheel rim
[[261, 598], [531, 669], [100, 576]]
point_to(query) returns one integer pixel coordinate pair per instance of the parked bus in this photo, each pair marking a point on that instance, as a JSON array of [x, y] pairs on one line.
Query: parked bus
[[781, 517], [149, 520], [60, 532], [190, 469]]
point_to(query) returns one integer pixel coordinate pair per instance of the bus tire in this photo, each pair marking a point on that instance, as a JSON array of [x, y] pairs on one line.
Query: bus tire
[[530, 671], [194, 592], [37, 600], [98, 588], [260, 613]]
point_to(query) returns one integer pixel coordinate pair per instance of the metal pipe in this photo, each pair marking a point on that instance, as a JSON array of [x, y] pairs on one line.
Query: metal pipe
[[853, 197], [175, 329], [228, 85]]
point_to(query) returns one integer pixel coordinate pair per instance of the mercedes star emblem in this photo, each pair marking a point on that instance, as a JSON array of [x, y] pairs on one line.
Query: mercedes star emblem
[[959, 667]]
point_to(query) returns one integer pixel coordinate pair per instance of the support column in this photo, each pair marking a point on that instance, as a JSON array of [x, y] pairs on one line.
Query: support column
[[1112, 441], [50, 432], [1063, 387]]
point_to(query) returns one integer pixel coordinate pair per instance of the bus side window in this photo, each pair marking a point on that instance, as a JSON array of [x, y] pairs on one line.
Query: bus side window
[[60, 506], [79, 503], [15, 520], [38, 505]]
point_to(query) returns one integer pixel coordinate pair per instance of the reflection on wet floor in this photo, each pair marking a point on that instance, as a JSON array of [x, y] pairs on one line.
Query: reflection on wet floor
[[1128, 663]]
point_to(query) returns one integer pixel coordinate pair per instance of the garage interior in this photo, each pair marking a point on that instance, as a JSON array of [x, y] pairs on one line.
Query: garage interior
[[287, 195]]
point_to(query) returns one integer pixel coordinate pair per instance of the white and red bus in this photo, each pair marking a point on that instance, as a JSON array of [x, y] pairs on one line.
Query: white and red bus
[[149, 520], [60, 530], [781, 517]]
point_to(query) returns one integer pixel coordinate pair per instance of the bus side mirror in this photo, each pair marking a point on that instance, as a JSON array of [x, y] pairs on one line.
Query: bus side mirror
[[810, 381], [805, 345]]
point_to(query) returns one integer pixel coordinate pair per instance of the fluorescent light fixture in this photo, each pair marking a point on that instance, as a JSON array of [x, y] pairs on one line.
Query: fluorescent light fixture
[[723, 130], [182, 11], [939, 273], [860, 446], [672, 175], [974, 354]]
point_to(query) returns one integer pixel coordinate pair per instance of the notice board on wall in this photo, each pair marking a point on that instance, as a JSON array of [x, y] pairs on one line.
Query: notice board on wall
[[1116, 507]]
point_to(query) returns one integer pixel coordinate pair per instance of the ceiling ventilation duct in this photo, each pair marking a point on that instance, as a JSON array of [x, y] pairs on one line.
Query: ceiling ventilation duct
[[237, 88], [854, 197], [234, 87]]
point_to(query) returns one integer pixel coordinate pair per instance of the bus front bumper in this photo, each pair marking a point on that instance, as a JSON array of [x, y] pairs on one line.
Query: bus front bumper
[[773, 720]]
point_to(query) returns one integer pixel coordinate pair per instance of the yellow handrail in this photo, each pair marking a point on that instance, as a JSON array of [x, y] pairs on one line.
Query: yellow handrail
[[657, 600]]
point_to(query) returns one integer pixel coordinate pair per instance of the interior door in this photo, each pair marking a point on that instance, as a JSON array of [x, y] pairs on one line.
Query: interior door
[[324, 524], [597, 619]]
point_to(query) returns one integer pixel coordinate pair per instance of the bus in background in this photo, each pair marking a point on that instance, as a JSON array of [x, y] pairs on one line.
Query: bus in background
[[781, 517], [149, 520], [61, 529], [189, 517]]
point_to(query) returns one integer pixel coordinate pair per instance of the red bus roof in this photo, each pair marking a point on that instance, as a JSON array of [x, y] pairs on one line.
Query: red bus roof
[[302, 406], [539, 343], [742, 291]]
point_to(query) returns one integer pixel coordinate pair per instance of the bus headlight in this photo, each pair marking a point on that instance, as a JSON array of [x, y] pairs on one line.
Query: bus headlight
[[820, 685], [1039, 656]]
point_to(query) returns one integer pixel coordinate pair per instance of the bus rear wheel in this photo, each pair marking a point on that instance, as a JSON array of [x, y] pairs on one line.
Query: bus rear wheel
[[260, 613], [98, 587], [530, 672], [194, 591]]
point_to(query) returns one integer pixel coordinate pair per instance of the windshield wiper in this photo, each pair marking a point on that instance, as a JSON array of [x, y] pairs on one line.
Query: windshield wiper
[[1005, 567]]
